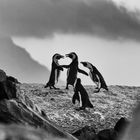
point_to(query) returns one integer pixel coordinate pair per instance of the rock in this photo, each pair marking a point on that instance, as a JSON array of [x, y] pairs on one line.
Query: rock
[[106, 134], [28, 102], [114, 133], [86, 133], [19, 132], [7, 87], [15, 112], [7, 90], [2, 76], [12, 79], [121, 125], [132, 132]]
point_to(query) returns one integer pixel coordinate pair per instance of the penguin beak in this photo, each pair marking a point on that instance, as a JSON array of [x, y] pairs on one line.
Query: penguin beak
[[61, 56], [67, 55], [83, 63]]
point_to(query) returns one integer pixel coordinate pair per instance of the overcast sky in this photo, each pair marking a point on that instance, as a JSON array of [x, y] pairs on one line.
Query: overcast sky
[[103, 32]]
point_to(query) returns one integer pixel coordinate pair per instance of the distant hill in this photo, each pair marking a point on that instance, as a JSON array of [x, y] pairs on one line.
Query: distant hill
[[17, 62]]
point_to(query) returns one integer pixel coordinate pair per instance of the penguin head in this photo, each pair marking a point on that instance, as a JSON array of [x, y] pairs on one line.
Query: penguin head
[[78, 81], [56, 57], [72, 55], [87, 64]]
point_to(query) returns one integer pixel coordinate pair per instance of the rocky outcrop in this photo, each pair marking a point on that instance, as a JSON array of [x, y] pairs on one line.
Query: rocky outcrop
[[7, 87], [15, 112], [13, 79], [19, 132], [88, 133], [21, 111]]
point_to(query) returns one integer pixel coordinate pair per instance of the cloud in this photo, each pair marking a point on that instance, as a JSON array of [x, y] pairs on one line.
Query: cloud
[[41, 18]]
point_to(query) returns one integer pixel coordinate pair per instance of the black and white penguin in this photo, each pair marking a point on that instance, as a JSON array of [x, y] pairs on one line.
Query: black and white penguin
[[73, 69], [81, 95], [96, 76], [55, 71]]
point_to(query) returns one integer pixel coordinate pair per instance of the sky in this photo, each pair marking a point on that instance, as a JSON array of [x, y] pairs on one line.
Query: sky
[[105, 33]]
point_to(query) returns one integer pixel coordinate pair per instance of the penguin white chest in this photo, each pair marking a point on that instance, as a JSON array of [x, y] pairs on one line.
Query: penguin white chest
[[80, 99], [56, 73], [91, 75]]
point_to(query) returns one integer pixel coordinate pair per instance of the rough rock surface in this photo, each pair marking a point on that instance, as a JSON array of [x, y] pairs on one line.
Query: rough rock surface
[[19, 132], [109, 106], [15, 112]]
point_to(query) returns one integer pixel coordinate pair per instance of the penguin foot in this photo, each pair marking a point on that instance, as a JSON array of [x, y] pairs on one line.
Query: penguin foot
[[80, 108], [97, 90], [56, 88], [45, 86]]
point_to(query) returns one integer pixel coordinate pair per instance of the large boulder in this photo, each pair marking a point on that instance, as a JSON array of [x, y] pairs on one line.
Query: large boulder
[[106, 134], [13, 79], [113, 133], [15, 112], [121, 125], [19, 132], [7, 87], [85, 133]]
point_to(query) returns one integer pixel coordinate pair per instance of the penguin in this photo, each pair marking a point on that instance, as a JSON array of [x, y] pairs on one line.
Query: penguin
[[79, 91], [73, 69], [55, 71], [96, 76]]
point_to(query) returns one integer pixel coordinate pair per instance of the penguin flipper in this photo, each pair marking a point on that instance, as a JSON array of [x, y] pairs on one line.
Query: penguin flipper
[[102, 81], [83, 72], [65, 66]]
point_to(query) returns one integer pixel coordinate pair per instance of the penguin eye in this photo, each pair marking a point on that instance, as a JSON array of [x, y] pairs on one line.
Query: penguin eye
[[57, 57], [71, 56], [85, 64]]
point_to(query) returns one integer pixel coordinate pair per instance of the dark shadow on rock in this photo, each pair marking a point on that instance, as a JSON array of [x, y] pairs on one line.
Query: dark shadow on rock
[[106, 134], [86, 133], [7, 90], [7, 86], [121, 125], [114, 133], [20, 132], [13, 79]]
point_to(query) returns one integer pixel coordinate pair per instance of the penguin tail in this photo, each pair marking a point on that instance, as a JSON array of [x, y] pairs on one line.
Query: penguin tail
[[102, 81], [105, 87]]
